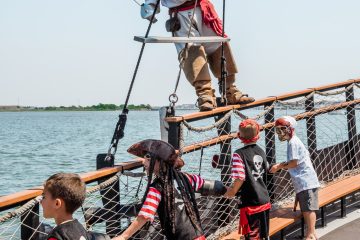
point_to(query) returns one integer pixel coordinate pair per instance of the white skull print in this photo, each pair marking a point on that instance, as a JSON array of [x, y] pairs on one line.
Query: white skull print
[[258, 162]]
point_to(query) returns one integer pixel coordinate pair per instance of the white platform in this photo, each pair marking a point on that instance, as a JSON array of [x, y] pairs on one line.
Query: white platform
[[153, 39]]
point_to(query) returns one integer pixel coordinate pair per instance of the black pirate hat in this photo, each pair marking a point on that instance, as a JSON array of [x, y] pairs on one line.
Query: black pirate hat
[[155, 148]]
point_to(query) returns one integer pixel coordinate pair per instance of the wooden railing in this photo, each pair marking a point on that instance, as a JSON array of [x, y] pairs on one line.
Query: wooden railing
[[16, 199], [265, 101], [300, 116]]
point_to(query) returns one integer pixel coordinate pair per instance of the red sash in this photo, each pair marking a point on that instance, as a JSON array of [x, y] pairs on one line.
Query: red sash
[[209, 15], [200, 238], [244, 227]]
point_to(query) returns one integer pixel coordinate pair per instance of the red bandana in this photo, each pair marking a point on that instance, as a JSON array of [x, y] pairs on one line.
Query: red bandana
[[251, 122]]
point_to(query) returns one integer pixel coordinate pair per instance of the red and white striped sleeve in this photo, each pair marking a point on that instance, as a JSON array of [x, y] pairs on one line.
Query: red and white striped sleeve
[[196, 181], [149, 208], [238, 168]]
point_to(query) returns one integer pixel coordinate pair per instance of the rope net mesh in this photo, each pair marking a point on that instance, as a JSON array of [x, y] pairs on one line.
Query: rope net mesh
[[326, 126]]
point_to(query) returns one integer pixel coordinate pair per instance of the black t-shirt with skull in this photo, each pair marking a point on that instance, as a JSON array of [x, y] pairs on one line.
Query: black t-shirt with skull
[[253, 192]]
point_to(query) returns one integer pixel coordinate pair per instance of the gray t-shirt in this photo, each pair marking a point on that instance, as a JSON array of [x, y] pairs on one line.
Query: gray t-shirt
[[303, 176]]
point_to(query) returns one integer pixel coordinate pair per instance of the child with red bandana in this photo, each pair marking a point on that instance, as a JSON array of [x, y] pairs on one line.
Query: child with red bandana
[[249, 166]]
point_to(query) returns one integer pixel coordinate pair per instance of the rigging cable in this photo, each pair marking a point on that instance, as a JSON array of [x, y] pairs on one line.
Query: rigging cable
[[201, 160], [137, 3], [120, 125], [222, 82], [183, 54]]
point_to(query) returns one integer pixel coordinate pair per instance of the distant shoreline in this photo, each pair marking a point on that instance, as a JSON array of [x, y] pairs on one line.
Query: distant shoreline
[[99, 107]]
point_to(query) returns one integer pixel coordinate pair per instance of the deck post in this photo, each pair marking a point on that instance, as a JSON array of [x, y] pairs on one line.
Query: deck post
[[270, 148], [351, 124], [174, 134], [302, 227], [224, 211], [323, 216], [282, 234], [29, 223], [225, 151], [110, 197], [311, 128], [174, 129], [343, 207]]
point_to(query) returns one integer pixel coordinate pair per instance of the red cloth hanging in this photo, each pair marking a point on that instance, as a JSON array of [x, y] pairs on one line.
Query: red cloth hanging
[[210, 17], [208, 12]]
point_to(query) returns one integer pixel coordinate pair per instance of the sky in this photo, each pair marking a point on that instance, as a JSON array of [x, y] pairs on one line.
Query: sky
[[82, 52]]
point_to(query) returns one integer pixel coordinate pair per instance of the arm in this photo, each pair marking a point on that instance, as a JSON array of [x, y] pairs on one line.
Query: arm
[[135, 226], [206, 187], [147, 213], [291, 164], [235, 187], [148, 8], [294, 156], [238, 175], [284, 165]]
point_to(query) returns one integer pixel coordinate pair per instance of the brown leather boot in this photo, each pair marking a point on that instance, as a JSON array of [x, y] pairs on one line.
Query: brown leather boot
[[234, 95], [206, 97], [197, 73]]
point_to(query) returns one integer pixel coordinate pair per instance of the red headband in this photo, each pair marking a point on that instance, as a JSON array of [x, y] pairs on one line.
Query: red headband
[[246, 123], [282, 122]]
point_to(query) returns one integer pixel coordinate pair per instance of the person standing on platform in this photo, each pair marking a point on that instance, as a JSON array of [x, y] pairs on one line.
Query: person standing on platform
[[199, 57]]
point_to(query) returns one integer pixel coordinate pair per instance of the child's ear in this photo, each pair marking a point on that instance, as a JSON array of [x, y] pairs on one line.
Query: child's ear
[[58, 203]]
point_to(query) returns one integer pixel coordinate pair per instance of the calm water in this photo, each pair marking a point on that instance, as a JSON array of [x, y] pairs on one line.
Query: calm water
[[34, 145]]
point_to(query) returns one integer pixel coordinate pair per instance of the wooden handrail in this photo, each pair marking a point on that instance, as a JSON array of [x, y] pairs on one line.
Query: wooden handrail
[[18, 198], [201, 115], [300, 116], [208, 143]]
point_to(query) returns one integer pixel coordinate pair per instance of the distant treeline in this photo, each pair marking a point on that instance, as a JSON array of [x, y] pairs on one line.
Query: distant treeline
[[99, 107]]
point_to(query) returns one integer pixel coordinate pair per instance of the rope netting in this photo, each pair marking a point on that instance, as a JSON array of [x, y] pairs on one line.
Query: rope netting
[[326, 125], [109, 208]]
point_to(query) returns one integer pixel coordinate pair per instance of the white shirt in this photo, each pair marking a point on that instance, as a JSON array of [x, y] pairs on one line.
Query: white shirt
[[303, 176]]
